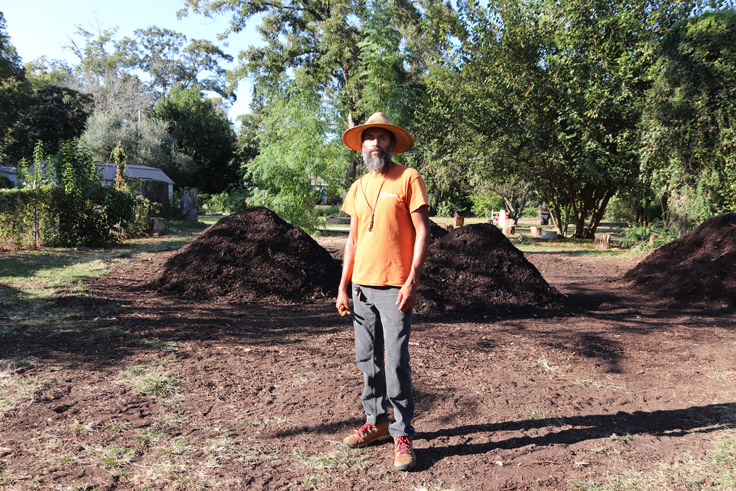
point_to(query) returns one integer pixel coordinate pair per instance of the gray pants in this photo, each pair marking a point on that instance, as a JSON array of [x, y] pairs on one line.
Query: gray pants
[[380, 326]]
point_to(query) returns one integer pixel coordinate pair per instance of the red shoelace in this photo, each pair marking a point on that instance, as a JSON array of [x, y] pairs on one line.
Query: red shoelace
[[365, 429], [403, 445]]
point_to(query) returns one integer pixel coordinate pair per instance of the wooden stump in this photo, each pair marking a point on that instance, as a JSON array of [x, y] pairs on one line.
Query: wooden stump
[[459, 221], [157, 226], [536, 231], [602, 241], [508, 229]]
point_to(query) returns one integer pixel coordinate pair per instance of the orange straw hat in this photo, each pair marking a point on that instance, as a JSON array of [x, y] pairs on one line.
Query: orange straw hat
[[404, 141]]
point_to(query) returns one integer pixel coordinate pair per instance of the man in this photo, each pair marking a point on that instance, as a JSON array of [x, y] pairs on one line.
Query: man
[[384, 258]]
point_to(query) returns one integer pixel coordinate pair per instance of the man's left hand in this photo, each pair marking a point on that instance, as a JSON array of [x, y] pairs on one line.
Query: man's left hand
[[407, 297]]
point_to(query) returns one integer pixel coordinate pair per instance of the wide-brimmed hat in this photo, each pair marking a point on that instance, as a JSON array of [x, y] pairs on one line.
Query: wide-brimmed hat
[[404, 139]]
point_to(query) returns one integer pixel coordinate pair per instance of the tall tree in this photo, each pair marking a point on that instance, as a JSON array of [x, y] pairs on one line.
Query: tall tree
[[106, 70], [551, 92], [203, 132], [165, 55], [689, 127], [53, 115], [15, 91]]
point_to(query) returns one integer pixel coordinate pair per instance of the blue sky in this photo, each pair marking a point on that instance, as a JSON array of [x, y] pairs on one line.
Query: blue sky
[[43, 27]]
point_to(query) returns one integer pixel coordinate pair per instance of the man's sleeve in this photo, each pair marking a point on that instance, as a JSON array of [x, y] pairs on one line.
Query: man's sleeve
[[348, 204], [417, 194]]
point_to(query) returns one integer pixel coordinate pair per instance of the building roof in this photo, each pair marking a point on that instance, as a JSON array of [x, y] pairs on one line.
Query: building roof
[[133, 171], [108, 171]]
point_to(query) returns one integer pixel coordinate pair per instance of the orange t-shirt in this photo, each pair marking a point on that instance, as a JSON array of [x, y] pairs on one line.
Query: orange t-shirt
[[383, 256]]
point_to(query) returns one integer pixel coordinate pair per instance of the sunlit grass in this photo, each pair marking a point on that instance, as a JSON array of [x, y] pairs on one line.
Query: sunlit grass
[[17, 391], [714, 471]]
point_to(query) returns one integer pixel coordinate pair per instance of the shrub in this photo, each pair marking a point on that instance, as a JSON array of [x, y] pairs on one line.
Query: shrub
[[66, 204]]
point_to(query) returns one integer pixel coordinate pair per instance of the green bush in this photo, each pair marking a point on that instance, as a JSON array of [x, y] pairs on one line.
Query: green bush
[[485, 203], [650, 237], [66, 204]]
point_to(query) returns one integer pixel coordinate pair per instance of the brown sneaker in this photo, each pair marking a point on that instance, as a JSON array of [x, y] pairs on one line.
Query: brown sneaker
[[405, 459], [367, 434]]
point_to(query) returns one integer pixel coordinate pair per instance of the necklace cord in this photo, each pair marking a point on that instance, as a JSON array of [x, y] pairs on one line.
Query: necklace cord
[[375, 204]]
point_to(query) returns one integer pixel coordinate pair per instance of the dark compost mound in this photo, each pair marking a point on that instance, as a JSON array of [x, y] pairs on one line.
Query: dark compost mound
[[250, 256], [436, 231], [475, 269], [699, 267]]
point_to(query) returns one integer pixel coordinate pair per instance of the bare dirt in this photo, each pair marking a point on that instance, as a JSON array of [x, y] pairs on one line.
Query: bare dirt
[[617, 380]]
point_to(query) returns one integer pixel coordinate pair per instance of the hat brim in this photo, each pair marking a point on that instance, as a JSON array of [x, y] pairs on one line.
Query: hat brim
[[404, 140]]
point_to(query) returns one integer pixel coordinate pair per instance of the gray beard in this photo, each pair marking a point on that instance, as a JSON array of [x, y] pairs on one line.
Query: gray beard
[[377, 163]]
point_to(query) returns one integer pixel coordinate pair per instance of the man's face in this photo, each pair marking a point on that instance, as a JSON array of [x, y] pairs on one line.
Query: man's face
[[377, 148]]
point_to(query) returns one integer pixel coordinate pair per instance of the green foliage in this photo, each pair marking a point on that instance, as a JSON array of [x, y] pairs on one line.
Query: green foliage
[[549, 92], [485, 203], [164, 57], [689, 129], [66, 205], [201, 131], [15, 91], [651, 236], [146, 142], [52, 114], [293, 153]]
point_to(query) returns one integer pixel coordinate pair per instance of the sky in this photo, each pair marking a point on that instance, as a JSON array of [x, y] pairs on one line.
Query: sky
[[43, 27]]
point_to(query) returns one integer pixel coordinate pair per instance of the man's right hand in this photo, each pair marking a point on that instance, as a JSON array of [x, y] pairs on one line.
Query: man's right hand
[[343, 304]]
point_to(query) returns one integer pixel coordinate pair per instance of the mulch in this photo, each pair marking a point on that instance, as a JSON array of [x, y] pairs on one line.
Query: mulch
[[696, 268]]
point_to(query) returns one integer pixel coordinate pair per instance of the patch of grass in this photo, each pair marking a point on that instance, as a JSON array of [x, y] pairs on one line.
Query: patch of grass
[[538, 413], [17, 391], [159, 345], [438, 486], [546, 365], [80, 428], [716, 470], [257, 453], [595, 383], [341, 460], [146, 380], [113, 457]]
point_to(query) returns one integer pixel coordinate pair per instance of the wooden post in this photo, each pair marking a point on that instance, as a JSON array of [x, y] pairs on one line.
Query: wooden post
[[189, 203], [157, 226], [602, 241]]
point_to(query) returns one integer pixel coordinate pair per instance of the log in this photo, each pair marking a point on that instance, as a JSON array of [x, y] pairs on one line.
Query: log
[[536, 231]]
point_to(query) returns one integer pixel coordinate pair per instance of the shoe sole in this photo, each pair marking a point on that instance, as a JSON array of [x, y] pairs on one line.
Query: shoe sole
[[404, 468], [363, 445]]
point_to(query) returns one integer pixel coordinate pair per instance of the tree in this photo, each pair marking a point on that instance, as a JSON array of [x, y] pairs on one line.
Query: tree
[[689, 128], [146, 142], [53, 114], [159, 51], [551, 92], [164, 56], [105, 70], [202, 132], [290, 157], [15, 91], [359, 58]]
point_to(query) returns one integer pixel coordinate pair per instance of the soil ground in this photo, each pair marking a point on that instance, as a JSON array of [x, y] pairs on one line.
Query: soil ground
[[254, 395]]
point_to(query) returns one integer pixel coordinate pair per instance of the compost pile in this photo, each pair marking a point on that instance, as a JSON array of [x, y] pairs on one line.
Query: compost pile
[[697, 268], [249, 256], [476, 270]]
